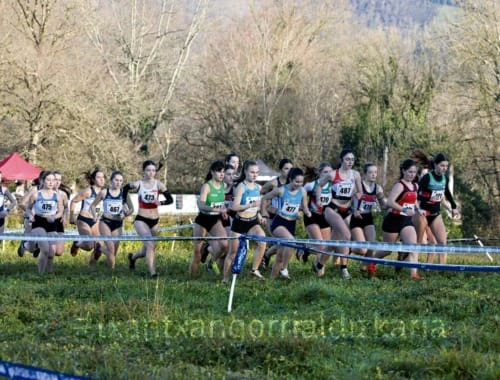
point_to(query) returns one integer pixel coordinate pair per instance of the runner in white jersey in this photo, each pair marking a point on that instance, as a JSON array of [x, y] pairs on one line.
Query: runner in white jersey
[[346, 185], [5, 196], [22, 204], [85, 222], [43, 208], [115, 210], [146, 222]]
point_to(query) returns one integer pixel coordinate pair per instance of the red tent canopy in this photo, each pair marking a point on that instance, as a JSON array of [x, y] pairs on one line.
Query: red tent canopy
[[16, 168]]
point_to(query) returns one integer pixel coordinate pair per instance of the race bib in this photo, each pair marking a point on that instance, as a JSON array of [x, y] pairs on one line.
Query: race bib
[[437, 195], [149, 197], [217, 205], [114, 207], [47, 208], [290, 209], [250, 200], [344, 189], [407, 207], [366, 207], [325, 199]]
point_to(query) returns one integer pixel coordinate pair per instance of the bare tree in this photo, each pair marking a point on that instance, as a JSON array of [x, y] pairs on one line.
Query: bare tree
[[28, 93], [253, 86], [144, 46]]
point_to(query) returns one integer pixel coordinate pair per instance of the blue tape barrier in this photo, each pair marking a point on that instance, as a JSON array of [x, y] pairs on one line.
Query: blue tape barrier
[[381, 246], [24, 372], [423, 266], [125, 232], [56, 237], [405, 264], [476, 238], [296, 243]]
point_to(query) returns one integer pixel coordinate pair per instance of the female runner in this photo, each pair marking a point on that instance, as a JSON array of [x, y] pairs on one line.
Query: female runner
[[85, 222], [115, 210], [362, 225], [292, 197], [346, 185], [433, 188], [247, 220], [402, 203], [147, 219], [4, 211], [43, 208], [284, 167], [209, 219]]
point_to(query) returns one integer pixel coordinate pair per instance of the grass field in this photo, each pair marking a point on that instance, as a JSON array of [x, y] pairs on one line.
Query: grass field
[[123, 325]]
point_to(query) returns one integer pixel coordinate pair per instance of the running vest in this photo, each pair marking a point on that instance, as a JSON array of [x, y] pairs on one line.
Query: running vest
[[87, 202], [368, 200], [148, 198], [45, 206], [215, 198], [326, 195], [343, 189], [113, 205], [407, 199], [249, 195], [434, 192], [290, 203]]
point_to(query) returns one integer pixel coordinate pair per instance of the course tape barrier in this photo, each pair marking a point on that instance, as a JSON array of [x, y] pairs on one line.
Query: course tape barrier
[[380, 246], [68, 237], [404, 264], [125, 232], [298, 243], [24, 372], [423, 266]]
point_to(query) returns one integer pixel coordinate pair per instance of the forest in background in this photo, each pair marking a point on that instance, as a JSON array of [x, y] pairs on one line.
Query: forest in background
[[110, 83]]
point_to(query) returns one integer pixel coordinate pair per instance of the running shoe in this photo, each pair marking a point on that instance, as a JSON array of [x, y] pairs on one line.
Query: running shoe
[[319, 272], [36, 252], [345, 274], [131, 261], [265, 261], [74, 249], [284, 274], [204, 252], [255, 273], [416, 276], [402, 256], [371, 269], [21, 249], [96, 253], [209, 266], [299, 253]]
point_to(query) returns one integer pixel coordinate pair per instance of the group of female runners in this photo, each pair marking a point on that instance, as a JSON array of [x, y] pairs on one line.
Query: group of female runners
[[46, 207], [337, 204]]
